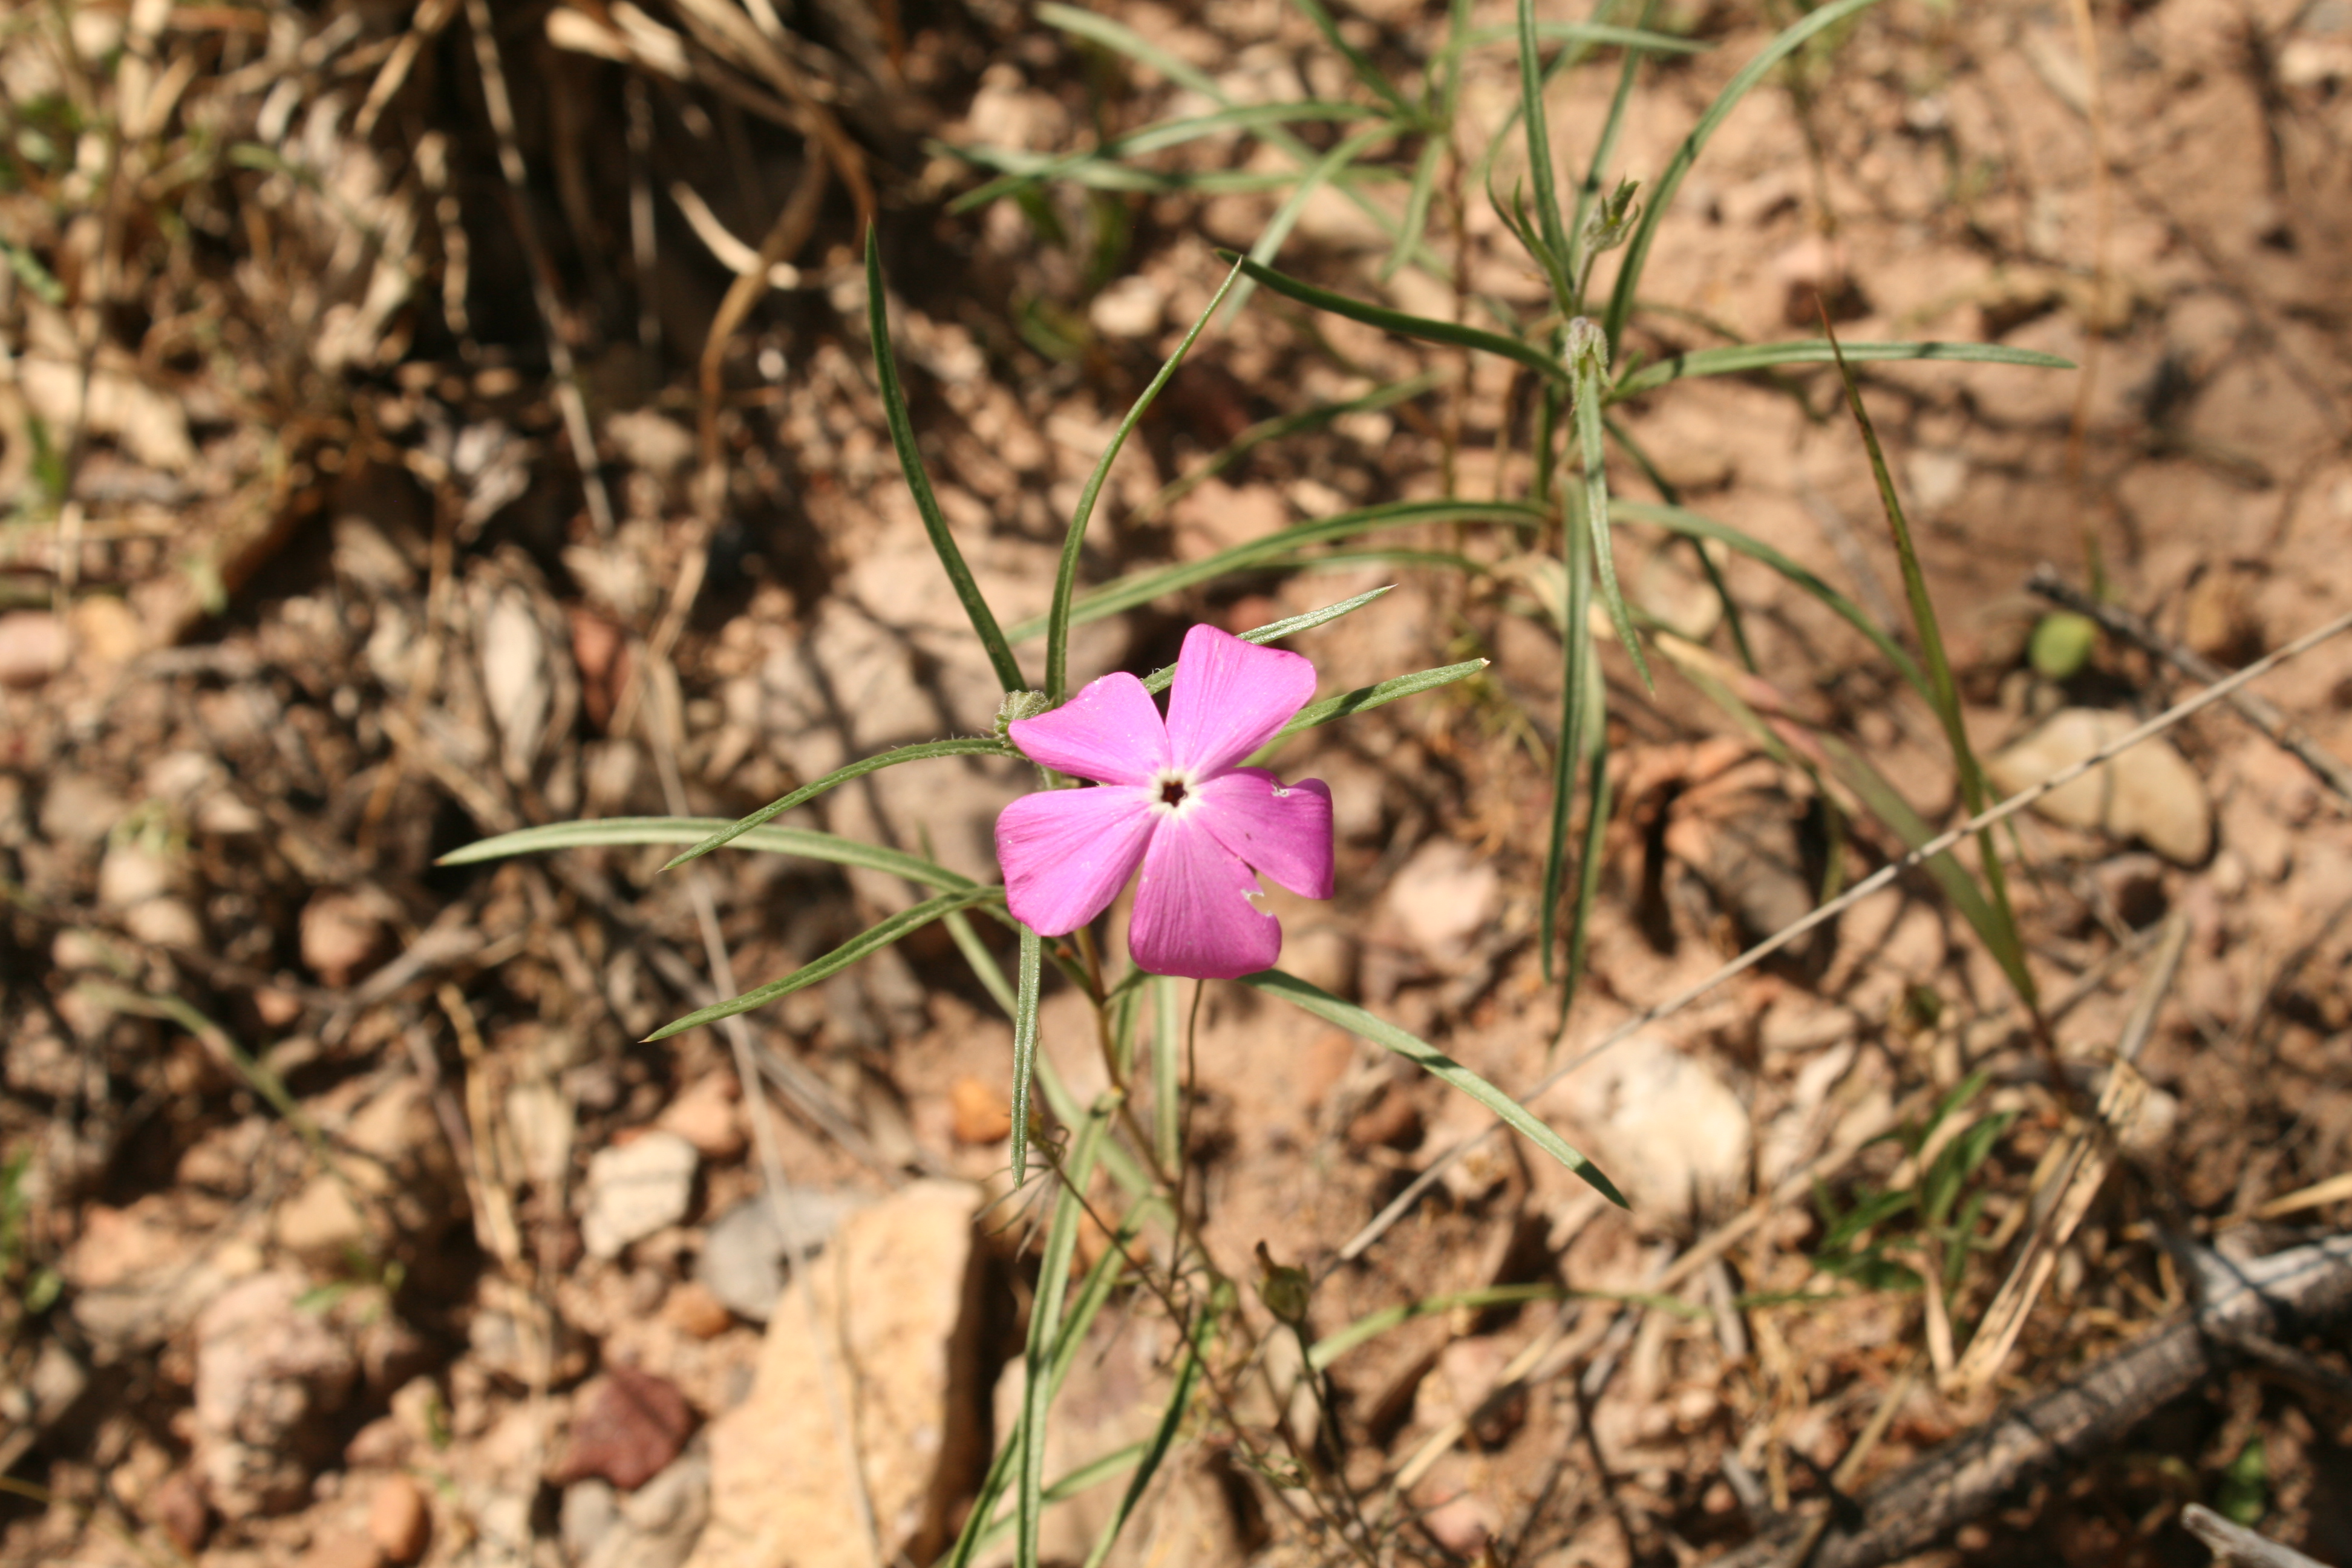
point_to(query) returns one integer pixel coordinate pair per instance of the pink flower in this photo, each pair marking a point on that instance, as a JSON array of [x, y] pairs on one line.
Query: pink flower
[[1172, 798]]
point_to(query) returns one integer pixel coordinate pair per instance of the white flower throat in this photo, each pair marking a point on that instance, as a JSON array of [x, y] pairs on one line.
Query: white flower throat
[[1174, 791]]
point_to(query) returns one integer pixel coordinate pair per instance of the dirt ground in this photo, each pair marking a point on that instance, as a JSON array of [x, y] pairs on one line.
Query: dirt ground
[[343, 1217]]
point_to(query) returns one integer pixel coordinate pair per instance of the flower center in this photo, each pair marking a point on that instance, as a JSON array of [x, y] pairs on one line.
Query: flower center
[[1172, 792]]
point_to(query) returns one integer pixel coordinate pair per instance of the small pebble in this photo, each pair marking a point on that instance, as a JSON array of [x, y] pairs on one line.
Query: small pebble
[[982, 1114], [399, 1523], [32, 648], [691, 1309]]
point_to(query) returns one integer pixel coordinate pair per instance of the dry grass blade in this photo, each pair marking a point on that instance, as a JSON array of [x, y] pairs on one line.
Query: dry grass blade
[[2236, 1543], [568, 396], [2073, 1178], [1883, 878]]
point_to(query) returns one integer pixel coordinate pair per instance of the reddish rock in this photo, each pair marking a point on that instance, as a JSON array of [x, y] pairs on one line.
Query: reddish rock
[[625, 1428], [399, 1521], [980, 1113]]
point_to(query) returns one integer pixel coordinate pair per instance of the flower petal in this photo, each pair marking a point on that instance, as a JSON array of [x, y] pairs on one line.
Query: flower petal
[[1194, 913], [1281, 831], [1067, 852], [1109, 733], [1229, 699]]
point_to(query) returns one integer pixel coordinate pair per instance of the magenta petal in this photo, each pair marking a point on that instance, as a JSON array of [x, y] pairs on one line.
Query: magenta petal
[[1109, 733], [1067, 852], [1229, 699], [1195, 914], [1282, 831]]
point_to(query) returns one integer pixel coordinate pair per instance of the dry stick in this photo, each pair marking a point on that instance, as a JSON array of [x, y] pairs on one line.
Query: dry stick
[[2057, 1431], [2075, 1176], [1363, 1239], [2094, 111], [2236, 1543], [568, 397], [663, 729], [2257, 711]]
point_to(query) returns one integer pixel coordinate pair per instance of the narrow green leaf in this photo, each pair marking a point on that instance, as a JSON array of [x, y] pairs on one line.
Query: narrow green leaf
[[1045, 1323], [1322, 171], [1360, 63], [1587, 873], [2010, 947], [1155, 138], [982, 1524], [1322, 1005], [1693, 525], [875, 937], [1164, 1437], [1537, 126], [1364, 698], [985, 967], [1371, 1325], [1167, 1074], [1417, 198], [1738, 359], [1428, 329], [1662, 193], [627, 832], [1596, 507], [1635, 38], [1142, 587], [1280, 427], [921, 750], [911, 462], [1587, 192], [1275, 631], [1030, 981], [1024, 170], [1066, 575], [1578, 715]]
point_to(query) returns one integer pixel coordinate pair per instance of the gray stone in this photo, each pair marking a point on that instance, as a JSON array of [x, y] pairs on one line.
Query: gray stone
[[747, 1257], [634, 1190]]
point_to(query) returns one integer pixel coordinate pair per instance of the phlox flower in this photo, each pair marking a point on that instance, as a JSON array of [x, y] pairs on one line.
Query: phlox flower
[[1172, 797]]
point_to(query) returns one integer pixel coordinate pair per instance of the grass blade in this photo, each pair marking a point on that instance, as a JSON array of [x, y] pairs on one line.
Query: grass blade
[[1693, 525], [1066, 575], [1418, 196], [628, 832], [1662, 193], [1589, 192], [1322, 1005], [875, 937], [1606, 35], [1589, 371], [1154, 138], [1276, 429], [1163, 1437], [1274, 631], [985, 967], [1588, 875], [1030, 980], [911, 462], [1045, 1323], [1427, 329], [1577, 718], [921, 750], [1945, 690], [1142, 587], [1323, 172], [1738, 359], [1167, 1073], [1539, 168], [1364, 698], [1370, 75]]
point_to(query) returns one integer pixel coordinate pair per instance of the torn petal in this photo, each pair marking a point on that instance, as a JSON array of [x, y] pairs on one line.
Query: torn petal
[[1282, 831], [1109, 733], [1067, 852], [1229, 699], [1196, 913]]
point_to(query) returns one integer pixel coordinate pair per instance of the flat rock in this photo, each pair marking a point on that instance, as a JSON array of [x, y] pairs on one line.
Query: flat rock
[[634, 1190], [626, 1427], [2148, 793], [897, 1305], [1670, 1131], [271, 1375], [400, 1521], [747, 1257], [1444, 897]]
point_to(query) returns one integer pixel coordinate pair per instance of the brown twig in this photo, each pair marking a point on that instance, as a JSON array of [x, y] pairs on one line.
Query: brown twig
[[2044, 1436], [2256, 711], [2236, 1543]]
